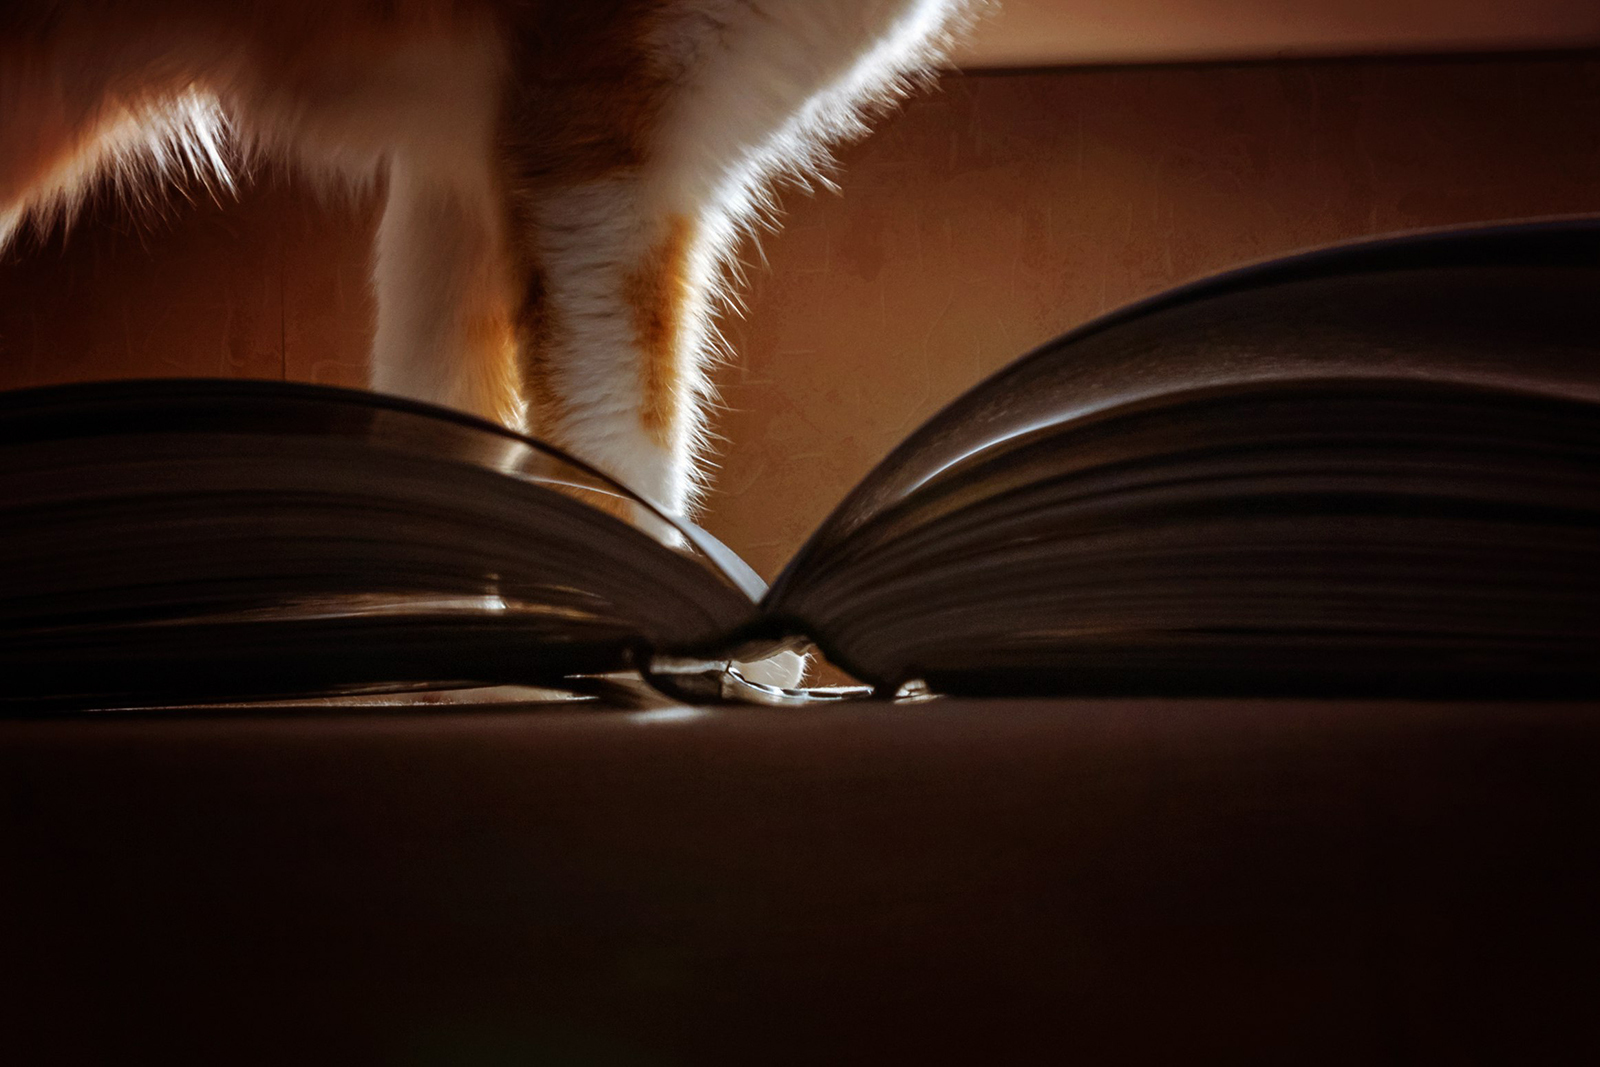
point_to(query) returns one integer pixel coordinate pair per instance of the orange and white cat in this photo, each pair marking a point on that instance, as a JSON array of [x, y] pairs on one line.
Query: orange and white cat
[[565, 179]]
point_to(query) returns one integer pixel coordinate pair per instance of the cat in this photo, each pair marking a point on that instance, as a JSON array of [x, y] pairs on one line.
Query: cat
[[565, 180]]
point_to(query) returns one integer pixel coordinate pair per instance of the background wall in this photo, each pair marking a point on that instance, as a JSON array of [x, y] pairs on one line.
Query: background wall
[[980, 222], [1061, 33]]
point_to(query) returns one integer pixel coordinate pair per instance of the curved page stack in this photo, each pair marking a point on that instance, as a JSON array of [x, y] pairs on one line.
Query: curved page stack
[[1368, 470]]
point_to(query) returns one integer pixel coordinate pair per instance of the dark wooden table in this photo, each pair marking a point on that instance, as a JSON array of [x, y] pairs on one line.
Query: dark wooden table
[[1086, 882]]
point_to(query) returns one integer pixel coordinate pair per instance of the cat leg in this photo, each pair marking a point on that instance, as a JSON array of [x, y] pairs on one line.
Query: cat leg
[[446, 330], [615, 369], [71, 110], [628, 263], [416, 113]]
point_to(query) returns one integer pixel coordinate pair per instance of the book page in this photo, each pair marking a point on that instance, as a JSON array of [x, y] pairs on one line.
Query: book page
[[1533, 280], [269, 538]]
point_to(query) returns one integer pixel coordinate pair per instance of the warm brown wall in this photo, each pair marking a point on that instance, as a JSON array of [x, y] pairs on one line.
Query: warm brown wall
[[270, 285], [1037, 33], [979, 223], [1010, 208]]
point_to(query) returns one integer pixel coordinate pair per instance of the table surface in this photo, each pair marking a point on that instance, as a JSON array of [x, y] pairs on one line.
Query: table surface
[[989, 880]]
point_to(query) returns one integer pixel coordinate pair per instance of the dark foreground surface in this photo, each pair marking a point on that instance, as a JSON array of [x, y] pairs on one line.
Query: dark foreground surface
[[983, 881]]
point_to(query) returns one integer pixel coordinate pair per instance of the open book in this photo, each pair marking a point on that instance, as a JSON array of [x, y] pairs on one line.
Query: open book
[[1373, 469]]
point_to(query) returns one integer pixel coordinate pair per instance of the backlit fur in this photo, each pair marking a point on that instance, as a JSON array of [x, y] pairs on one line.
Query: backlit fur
[[565, 180]]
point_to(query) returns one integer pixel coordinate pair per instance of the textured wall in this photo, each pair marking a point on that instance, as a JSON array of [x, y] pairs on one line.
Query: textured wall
[[979, 223], [1010, 208]]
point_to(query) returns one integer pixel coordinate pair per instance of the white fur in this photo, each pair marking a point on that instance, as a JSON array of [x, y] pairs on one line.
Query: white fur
[[590, 236], [763, 89], [441, 235]]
